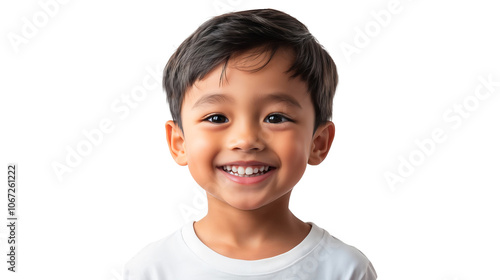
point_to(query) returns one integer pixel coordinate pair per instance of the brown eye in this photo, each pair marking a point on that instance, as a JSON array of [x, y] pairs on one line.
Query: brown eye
[[276, 118], [217, 119]]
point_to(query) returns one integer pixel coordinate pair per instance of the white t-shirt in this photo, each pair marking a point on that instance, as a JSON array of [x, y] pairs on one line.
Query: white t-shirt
[[183, 256]]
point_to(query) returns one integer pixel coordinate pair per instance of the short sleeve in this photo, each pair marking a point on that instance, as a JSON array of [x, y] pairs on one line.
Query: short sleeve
[[370, 273], [126, 274]]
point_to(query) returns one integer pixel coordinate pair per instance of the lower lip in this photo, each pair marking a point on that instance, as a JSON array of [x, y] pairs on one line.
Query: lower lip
[[247, 180]]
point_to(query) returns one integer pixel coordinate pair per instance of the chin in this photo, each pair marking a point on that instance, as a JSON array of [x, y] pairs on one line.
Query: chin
[[245, 205], [248, 204]]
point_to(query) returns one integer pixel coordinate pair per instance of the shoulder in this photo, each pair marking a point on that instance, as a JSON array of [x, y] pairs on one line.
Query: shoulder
[[151, 259], [338, 256]]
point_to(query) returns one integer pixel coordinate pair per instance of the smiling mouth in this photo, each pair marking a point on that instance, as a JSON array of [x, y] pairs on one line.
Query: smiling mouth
[[246, 171]]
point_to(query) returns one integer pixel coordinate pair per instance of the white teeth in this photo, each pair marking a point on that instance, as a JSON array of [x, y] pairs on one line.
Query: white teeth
[[248, 171], [245, 171], [241, 170]]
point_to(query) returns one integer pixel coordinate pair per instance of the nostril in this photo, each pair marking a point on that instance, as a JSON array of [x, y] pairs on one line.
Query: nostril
[[248, 146], [252, 149], [245, 138]]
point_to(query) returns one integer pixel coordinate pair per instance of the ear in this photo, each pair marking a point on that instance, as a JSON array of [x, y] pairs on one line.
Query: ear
[[175, 139], [321, 143]]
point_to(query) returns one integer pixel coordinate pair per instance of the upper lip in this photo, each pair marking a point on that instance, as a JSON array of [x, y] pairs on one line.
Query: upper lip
[[246, 163]]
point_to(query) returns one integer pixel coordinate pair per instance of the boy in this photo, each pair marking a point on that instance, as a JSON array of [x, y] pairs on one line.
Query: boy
[[251, 98]]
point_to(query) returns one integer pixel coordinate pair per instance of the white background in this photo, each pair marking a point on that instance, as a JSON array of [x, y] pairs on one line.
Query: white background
[[65, 76]]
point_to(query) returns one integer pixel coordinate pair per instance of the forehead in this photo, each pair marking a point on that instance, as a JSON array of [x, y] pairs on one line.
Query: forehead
[[251, 74]]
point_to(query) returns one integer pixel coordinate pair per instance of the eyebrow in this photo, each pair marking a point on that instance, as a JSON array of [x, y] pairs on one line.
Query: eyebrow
[[282, 98], [217, 98], [214, 98]]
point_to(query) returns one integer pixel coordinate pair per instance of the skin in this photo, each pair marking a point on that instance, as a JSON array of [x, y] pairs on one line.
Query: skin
[[249, 221]]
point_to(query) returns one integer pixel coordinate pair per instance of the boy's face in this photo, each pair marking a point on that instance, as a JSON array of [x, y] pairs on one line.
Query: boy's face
[[248, 140]]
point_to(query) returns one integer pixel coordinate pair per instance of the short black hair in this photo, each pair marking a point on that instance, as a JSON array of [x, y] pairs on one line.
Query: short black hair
[[221, 37]]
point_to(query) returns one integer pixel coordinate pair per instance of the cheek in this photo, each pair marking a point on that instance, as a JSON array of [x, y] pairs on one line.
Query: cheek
[[201, 150], [294, 154], [197, 141]]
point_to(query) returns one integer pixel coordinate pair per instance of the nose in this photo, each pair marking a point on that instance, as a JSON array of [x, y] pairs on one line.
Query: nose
[[246, 136]]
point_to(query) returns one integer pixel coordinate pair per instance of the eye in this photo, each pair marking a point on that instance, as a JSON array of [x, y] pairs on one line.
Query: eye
[[276, 118], [216, 119]]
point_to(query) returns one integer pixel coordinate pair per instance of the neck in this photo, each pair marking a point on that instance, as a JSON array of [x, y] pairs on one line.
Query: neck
[[226, 226]]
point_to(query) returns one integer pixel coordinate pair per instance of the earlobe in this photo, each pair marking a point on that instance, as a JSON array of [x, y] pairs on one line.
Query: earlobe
[[175, 139], [321, 143]]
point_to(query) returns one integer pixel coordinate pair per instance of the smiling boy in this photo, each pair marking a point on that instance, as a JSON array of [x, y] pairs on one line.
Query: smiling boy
[[251, 97]]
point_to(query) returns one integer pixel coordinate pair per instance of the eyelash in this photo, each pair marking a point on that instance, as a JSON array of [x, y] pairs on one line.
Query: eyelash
[[284, 118], [214, 115]]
